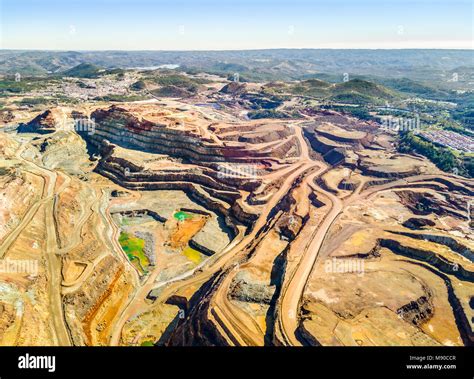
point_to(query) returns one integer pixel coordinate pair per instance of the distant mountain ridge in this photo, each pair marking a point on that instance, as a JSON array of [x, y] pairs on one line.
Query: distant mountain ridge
[[436, 66]]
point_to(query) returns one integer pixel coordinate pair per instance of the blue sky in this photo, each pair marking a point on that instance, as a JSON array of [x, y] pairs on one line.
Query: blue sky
[[231, 24]]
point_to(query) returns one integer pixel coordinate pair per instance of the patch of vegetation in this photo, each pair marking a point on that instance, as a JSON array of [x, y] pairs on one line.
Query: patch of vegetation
[[84, 70], [271, 113], [147, 343], [25, 85], [122, 98], [361, 113], [134, 248], [444, 158], [173, 84], [413, 88], [362, 91], [33, 101], [352, 98], [177, 80], [171, 91], [120, 72], [138, 86], [311, 87], [355, 91], [464, 112]]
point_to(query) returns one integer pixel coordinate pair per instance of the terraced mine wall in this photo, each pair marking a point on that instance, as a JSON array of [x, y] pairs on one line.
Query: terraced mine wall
[[442, 240], [424, 204], [373, 183], [347, 185], [357, 143], [197, 329], [231, 216], [460, 317], [142, 212], [228, 197], [369, 171], [120, 127], [316, 144], [322, 183], [331, 154], [433, 259], [206, 177], [114, 165], [115, 169], [455, 187]]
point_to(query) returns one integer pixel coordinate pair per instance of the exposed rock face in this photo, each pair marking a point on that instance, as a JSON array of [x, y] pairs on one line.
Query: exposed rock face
[[118, 193], [234, 88], [251, 292], [443, 240], [418, 223], [197, 329], [290, 225], [435, 260], [47, 122], [6, 116], [143, 212], [330, 151], [120, 126], [425, 203], [417, 312]]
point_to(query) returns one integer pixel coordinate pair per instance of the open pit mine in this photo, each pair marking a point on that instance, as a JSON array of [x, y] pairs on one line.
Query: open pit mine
[[171, 223]]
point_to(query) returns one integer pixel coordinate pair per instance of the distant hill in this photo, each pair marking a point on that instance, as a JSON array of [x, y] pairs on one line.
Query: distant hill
[[414, 88], [362, 91], [84, 70], [355, 91]]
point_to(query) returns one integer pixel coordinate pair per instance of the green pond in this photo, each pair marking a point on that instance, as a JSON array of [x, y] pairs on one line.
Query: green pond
[[181, 216], [134, 248]]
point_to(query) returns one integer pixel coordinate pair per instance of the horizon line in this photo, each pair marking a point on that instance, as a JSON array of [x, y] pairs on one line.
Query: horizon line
[[251, 49]]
